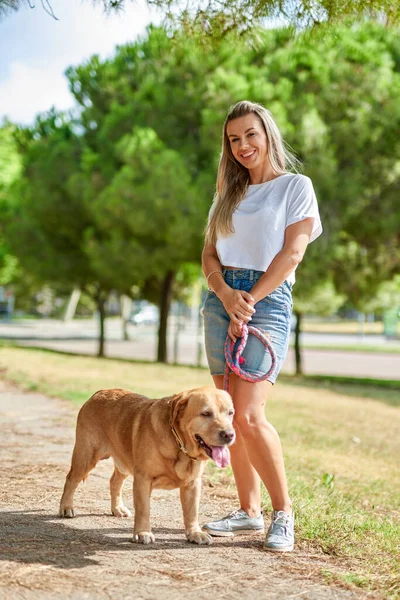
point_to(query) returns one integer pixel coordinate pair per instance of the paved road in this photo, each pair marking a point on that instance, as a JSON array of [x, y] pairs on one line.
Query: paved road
[[80, 337]]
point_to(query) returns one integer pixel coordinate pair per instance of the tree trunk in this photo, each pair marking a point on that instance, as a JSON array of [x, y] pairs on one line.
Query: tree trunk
[[165, 302], [72, 304], [177, 332], [297, 350], [126, 306], [101, 300]]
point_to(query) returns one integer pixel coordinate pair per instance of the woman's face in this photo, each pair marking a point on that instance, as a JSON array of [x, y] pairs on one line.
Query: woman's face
[[248, 141]]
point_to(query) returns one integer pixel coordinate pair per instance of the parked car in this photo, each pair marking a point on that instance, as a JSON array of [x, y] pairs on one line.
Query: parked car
[[145, 315]]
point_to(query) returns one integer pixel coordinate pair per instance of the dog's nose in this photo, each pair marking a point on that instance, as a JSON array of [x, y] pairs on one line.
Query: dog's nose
[[227, 436]]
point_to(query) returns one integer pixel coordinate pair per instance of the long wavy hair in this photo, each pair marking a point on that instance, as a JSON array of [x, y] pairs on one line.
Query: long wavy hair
[[233, 178]]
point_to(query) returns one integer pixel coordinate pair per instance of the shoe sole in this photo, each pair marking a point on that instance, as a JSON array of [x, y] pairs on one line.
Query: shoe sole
[[233, 533], [285, 549]]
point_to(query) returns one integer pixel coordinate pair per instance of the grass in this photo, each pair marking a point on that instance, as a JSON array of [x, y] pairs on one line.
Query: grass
[[344, 326], [341, 454], [353, 348], [383, 390]]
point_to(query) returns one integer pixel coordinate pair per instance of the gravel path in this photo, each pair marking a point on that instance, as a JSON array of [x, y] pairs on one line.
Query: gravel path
[[92, 557]]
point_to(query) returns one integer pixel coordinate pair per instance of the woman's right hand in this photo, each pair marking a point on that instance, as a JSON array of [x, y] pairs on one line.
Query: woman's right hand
[[238, 304], [235, 330]]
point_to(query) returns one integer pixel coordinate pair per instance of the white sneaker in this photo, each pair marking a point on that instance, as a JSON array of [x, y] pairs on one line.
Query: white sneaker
[[237, 522], [280, 535]]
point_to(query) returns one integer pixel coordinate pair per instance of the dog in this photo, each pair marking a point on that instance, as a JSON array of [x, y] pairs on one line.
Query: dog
[[164, 443]]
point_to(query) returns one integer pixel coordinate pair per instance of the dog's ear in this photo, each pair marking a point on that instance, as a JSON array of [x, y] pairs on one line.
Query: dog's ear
[[178, 403]]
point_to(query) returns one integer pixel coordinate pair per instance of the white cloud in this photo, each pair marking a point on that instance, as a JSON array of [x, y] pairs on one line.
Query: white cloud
[[83, 30], [29, 90], [35, 50]]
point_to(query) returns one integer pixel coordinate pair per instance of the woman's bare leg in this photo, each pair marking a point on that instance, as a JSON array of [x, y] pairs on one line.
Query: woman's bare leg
[[264, 450], [246, 477]]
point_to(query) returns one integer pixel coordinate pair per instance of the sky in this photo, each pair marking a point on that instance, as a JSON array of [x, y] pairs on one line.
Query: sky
[[35, 50]]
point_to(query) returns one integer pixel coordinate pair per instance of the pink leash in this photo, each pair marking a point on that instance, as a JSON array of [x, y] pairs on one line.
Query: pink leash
[[234, 360]]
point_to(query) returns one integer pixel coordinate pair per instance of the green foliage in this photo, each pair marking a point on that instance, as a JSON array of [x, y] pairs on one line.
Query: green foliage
[[9, 266], [142, 165], [327, 480], [49, 221], [321, 299], [387, 297], [188, 279], [146, 219], [10, 163], [120, 196], [340, 101], [213, 19], [334, 97], [10, 171]]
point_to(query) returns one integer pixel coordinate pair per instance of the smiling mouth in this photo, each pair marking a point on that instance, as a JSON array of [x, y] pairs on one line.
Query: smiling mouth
[[219, 454], [247, 156]]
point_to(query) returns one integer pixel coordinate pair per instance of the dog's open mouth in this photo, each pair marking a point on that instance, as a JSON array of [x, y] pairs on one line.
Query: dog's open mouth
[[220, 454]]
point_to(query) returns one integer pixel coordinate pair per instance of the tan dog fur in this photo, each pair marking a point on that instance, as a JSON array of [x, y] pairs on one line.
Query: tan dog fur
[[136, 432]]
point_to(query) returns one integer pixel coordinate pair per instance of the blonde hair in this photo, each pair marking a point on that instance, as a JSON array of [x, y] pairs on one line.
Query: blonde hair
[[233, 178]]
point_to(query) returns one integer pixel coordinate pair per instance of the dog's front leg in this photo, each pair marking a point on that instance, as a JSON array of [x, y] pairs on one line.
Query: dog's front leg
[[141, 501], [190, 500]]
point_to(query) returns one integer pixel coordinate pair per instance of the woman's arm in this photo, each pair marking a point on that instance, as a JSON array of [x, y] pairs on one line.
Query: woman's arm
[[236, 302], [209, 263], [297, 237]]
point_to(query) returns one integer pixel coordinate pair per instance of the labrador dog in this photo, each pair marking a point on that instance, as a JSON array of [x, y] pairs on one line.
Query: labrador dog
[[163, 443]]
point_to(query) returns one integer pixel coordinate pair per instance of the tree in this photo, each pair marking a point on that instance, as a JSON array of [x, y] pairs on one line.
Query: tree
[[318, 299], [147, 222], [214, 18], [338, 108], [48, 229], [10, 170], [335, 101], [387, 298], [154, 199]]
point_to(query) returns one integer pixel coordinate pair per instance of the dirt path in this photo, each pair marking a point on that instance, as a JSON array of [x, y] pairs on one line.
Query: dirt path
[[91, 556]]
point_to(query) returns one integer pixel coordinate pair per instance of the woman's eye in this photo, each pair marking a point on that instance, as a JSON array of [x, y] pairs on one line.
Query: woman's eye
[[237, 139]]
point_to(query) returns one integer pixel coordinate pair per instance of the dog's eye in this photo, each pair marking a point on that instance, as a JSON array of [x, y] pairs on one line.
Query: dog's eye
[[206, 413], [231, 413]]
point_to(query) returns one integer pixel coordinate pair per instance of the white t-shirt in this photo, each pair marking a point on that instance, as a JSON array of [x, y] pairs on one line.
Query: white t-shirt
[[260, 220]]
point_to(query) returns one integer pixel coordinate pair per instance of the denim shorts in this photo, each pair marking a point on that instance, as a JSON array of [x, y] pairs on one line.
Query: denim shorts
[[272, 316]]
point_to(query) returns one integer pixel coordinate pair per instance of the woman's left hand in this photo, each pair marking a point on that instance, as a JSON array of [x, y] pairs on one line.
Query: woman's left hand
[[235, 330]]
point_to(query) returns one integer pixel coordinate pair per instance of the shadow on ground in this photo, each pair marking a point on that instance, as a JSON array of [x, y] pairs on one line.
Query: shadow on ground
[[34, 536]]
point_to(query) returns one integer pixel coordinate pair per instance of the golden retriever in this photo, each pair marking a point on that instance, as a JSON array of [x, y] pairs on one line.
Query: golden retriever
[[163, 443]]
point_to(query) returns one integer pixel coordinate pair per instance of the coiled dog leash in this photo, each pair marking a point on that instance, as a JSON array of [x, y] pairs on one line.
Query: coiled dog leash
[[234, 359]]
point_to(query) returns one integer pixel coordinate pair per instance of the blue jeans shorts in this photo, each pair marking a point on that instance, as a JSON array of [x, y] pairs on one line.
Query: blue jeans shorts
[[272, 316]]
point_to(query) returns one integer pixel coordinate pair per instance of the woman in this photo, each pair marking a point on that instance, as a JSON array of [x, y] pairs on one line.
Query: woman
[[259, 226]]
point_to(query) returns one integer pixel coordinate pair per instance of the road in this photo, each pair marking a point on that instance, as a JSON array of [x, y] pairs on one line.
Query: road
[[80, 336]]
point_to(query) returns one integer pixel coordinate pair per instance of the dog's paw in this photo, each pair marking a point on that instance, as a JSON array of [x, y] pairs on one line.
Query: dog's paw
[[66, 512], [199, 537], [144, 537], [121, 511]]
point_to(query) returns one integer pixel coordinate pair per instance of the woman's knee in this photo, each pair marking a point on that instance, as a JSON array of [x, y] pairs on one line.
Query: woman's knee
[[250, 422]]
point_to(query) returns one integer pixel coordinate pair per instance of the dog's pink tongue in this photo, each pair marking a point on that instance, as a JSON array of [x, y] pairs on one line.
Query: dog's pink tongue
[[221, 456]]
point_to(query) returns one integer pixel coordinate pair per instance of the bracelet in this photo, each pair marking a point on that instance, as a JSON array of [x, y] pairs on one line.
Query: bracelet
[[212, 273]]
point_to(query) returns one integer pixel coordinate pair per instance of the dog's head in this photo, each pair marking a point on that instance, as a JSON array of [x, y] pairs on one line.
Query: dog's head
[[205, 416]]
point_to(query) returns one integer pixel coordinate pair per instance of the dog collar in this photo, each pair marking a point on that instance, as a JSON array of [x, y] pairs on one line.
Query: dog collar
[[179, 441]]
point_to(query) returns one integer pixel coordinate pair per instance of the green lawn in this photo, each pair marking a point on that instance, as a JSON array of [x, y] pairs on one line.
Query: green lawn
[[341, 451], [343, 326], [354, 348]]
